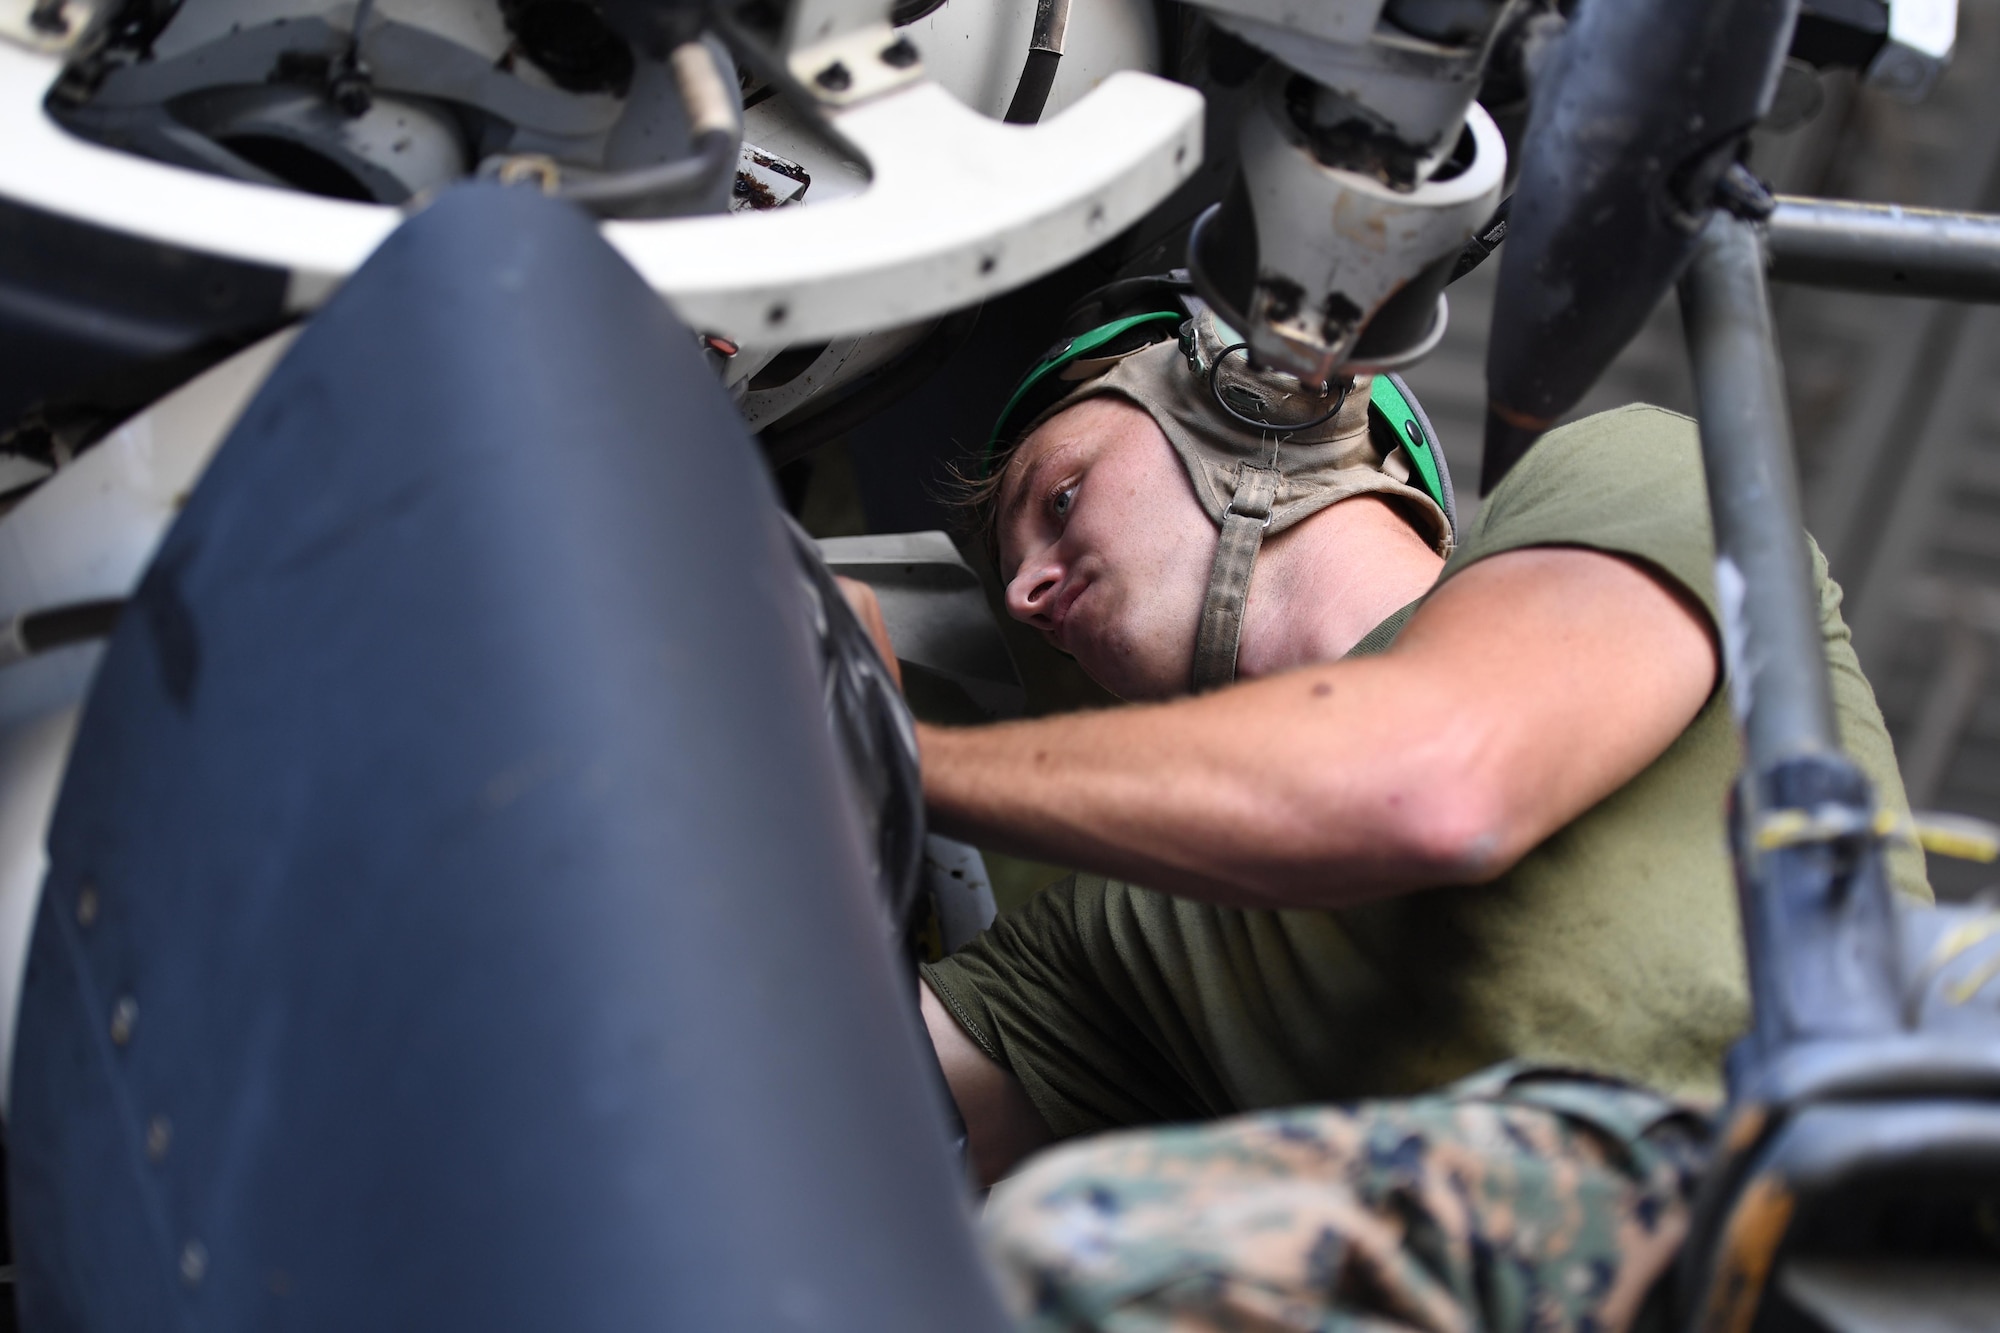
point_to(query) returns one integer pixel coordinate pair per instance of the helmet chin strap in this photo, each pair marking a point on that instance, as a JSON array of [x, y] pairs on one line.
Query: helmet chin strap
[[1243, 526]]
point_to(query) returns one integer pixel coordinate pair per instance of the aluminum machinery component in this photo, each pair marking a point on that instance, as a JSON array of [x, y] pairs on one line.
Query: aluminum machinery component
[[956, 875], [395, 149], [959, 209], [1851, 1166], [845, 52], [864, 396], [58, 26], [18, 473], [693, 181], [1643, 107], [1334, 249], [810, 23], [40, 703], [938, 618], [1392, 105], [798, 375], [1884, 248], [711, 106], [1870, 1214], [970, 49], [791, 134], [95, 324], [1890, 1297], [1921, 36], [1298, 23], [288, 92], [765, 180], [1840, 34], [87, 533], [856, 66]]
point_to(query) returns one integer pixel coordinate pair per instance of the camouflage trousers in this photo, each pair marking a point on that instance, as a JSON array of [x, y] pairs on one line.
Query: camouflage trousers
[[1514, 1201]]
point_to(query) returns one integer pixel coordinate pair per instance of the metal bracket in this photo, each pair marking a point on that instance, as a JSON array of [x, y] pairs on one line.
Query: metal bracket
[[960, 208], [1921, 36], [57, 26], [855, 66]]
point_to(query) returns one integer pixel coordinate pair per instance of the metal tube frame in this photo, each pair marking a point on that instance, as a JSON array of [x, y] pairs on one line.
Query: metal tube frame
[[1816, 913], [1777, 672], [1865, 1093], [1884, 248]]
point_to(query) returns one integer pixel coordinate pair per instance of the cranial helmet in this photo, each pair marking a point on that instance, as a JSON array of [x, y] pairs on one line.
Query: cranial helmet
[[1262, 450]]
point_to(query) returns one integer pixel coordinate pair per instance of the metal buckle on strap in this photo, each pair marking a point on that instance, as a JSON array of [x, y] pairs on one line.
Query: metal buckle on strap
[[1229, 512]]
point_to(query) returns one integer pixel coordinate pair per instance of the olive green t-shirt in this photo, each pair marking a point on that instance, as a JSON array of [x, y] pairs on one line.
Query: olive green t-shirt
[[1613, 946]]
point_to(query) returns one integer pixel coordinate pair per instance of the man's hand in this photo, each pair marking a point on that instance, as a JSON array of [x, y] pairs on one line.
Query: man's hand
[[869, 611], [1526, 690]]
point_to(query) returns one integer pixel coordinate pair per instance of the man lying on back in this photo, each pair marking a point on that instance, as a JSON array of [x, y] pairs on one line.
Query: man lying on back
[[1462, 807]]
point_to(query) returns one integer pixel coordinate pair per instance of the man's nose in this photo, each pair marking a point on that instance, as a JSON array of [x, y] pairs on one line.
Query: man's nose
[[1033, 591]]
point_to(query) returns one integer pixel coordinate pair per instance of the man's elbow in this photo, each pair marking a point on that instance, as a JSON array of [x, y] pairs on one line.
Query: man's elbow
[[1433, 822], [1463, 831]]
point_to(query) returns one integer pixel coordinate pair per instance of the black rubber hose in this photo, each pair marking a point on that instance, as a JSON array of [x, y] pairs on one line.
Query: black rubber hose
[[1038, 72], [1031, 95], [673, 182], [1482, 242]]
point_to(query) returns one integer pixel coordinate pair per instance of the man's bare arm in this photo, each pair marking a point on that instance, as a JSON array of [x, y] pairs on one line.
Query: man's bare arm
[[1527, 689], [1001, 1125]]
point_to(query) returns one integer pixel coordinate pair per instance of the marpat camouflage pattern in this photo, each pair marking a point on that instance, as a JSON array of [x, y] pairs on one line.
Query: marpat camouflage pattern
[[1516, 1200]]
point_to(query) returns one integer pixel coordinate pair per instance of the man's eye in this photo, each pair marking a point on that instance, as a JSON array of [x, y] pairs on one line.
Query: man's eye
[[1064, 498]]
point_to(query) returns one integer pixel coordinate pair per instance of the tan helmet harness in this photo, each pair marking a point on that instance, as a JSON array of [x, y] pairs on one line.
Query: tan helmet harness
[[1262, 451]]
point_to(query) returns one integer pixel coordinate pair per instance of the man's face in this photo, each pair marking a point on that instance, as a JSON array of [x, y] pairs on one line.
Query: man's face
[[1105, 548]]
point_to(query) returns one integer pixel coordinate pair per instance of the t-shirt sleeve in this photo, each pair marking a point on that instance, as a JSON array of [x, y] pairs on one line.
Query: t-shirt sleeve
[[1626, 482], [1041, 992], [1629, 482], [1864, 735]]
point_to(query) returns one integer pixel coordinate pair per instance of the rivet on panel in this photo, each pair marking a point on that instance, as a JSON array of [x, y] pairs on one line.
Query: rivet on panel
[[159, 1137], [194, 1262], [86, 905], [124, 1015]]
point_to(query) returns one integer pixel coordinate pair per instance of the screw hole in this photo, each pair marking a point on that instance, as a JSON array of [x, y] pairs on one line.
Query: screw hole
[[124, 1016]]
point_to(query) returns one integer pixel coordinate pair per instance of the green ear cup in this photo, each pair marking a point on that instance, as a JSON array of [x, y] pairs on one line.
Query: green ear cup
[[1403, 424]]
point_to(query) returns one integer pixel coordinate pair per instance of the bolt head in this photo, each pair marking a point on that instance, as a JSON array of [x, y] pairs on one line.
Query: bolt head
[[159, 1137], [49, 18], [900, 55], [86, 905], [124, 1017], [835, 78], [194, 1262]]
